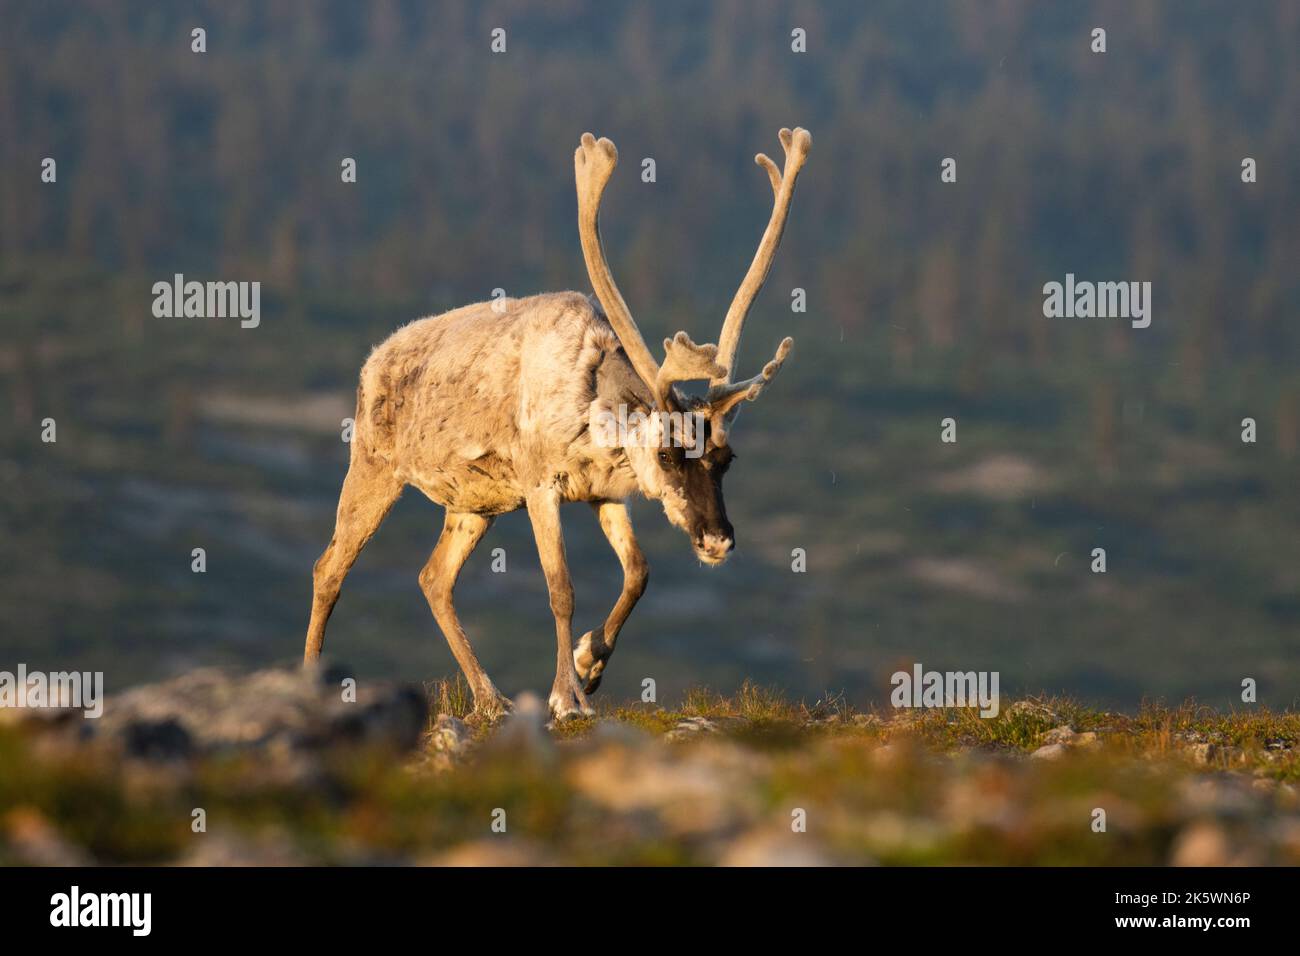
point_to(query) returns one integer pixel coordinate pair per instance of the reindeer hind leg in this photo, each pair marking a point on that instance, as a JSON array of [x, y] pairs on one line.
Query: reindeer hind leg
[[461, 534], [369, 491]]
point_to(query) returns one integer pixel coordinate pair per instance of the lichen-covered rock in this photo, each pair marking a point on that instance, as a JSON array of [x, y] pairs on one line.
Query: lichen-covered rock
[[690, 793], [1049, 752], [523, 730], [450, 734], [449, 741], [1035, 709], [739, 787], [691, 727], [1063, 734], [1057, 742], [210, 710]]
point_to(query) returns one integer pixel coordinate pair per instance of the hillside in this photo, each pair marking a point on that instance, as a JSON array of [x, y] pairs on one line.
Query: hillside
[[286, 772]]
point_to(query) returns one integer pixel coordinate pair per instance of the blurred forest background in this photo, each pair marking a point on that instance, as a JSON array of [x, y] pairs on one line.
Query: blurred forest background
[[924, 302]]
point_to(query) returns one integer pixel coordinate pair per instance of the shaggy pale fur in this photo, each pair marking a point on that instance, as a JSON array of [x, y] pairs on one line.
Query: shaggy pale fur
[[497, 406]]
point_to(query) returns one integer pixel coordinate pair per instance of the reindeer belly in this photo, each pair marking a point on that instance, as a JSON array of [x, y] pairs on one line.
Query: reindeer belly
[[474, 487]]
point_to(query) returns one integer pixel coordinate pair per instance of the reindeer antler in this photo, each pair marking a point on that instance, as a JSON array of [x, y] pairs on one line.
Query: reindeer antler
[[684, 362], [724, 395], [796, 146], [724, 400], [593, 164]]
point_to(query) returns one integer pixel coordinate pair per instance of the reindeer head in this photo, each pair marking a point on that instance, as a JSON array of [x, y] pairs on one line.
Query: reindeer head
[[684, 449]]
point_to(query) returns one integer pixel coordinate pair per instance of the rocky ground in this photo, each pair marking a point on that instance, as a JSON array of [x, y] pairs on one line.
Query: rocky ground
[[286, 767]]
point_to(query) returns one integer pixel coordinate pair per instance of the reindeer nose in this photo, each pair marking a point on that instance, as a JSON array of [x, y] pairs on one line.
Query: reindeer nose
[[717, 545]]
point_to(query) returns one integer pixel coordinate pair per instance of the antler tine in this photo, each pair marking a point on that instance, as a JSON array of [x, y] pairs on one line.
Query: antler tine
[[724, 399], [684, 361], [773, 173], [593, 164], [796, 145]]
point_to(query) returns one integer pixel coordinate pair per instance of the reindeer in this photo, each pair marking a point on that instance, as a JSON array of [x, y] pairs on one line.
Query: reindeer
[[499, 406]]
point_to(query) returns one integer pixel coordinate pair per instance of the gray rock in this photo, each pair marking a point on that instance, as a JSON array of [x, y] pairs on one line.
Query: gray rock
[[1222, 795], [209, 711], [162, 739], [1063, 734], [691, 727], [1033, 708], [448, 743], [664, 790], [450, 734], [1049, 752], [524, 728]]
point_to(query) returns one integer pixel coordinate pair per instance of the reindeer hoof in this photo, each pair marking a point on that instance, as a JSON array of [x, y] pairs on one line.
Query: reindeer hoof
[[568, 700], [589, 658]]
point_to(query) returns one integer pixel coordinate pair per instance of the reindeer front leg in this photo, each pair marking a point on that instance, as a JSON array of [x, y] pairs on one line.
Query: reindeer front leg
[[596, 646], [567, 698]]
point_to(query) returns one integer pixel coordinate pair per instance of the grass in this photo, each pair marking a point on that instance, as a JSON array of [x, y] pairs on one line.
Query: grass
[[906, 787], [450, 696], [1258, 740]]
